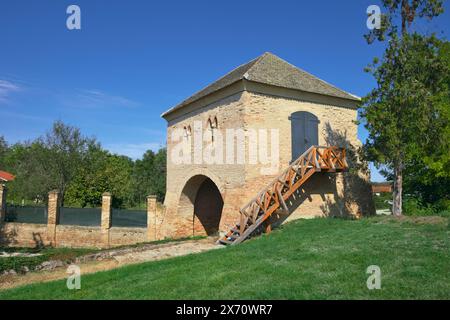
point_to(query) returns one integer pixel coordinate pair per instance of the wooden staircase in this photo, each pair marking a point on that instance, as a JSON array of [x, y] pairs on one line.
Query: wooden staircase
[[274, 196]]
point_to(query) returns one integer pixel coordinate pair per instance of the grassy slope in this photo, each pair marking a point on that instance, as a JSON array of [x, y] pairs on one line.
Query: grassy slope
[[307, 259]]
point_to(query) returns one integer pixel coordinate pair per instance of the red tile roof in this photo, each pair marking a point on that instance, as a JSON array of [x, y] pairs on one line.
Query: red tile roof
[[6, 176], [381, 187]]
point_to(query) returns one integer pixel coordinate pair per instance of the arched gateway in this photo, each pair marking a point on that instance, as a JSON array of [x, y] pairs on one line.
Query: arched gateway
[[202, 200]]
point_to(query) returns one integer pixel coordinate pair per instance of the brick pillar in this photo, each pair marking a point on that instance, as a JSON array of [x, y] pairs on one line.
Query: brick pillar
[[151, 218], [52, 216], [106, 218], [2, 203]]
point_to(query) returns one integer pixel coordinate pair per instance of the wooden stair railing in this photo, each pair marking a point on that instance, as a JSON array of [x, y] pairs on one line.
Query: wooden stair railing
[[274, 196]]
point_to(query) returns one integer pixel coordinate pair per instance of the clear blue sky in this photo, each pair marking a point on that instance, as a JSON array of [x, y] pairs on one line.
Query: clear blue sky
[[134, 59]]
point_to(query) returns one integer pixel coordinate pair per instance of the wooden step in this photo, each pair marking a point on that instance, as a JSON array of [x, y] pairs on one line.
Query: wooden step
[[234, 236], [225, 242], [281, 212]]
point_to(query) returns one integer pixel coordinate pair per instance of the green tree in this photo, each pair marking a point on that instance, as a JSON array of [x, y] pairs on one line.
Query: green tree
[[405, 12], [3, 151], [67, 149], [101, 172], [49, 162], [428, 177], [81, 169], [32, 181], [88, 185], [402, 114], [149, 175], [160, 166], [119, 170]]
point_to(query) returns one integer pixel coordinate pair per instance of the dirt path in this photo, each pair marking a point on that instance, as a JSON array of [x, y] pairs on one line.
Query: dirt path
[[113, 259]]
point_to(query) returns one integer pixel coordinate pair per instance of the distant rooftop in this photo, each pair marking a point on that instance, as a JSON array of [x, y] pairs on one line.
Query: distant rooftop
[[272, 70], [6, 176]]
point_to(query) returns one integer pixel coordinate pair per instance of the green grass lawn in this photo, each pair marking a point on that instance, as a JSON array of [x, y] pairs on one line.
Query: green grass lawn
[[306, 259]]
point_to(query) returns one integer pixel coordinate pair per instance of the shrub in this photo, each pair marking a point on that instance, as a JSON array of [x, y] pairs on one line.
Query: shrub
[[382, 201], [413, 207]]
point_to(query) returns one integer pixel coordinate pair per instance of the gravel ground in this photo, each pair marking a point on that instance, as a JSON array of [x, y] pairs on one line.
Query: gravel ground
[[113, 258]]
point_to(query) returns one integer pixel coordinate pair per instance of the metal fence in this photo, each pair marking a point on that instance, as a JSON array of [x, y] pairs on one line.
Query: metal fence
[[26, 214], [129, 218], [88, 217]]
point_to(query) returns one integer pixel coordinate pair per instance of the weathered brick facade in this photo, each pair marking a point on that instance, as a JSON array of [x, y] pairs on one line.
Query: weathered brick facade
[[250, 105], [151, 218], [53, 216], [106, 218]]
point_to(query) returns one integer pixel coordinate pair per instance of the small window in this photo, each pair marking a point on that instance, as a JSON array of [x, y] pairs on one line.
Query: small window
[[187, 132], [212, 126]]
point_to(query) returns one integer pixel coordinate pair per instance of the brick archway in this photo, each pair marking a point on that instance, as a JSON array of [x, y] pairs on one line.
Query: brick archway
[[201, 200]]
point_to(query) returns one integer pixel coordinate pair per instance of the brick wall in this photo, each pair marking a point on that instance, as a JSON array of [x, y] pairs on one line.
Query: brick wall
[[23, 234], [127, 236], [32, 235], [105, 236], [255, 106]]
